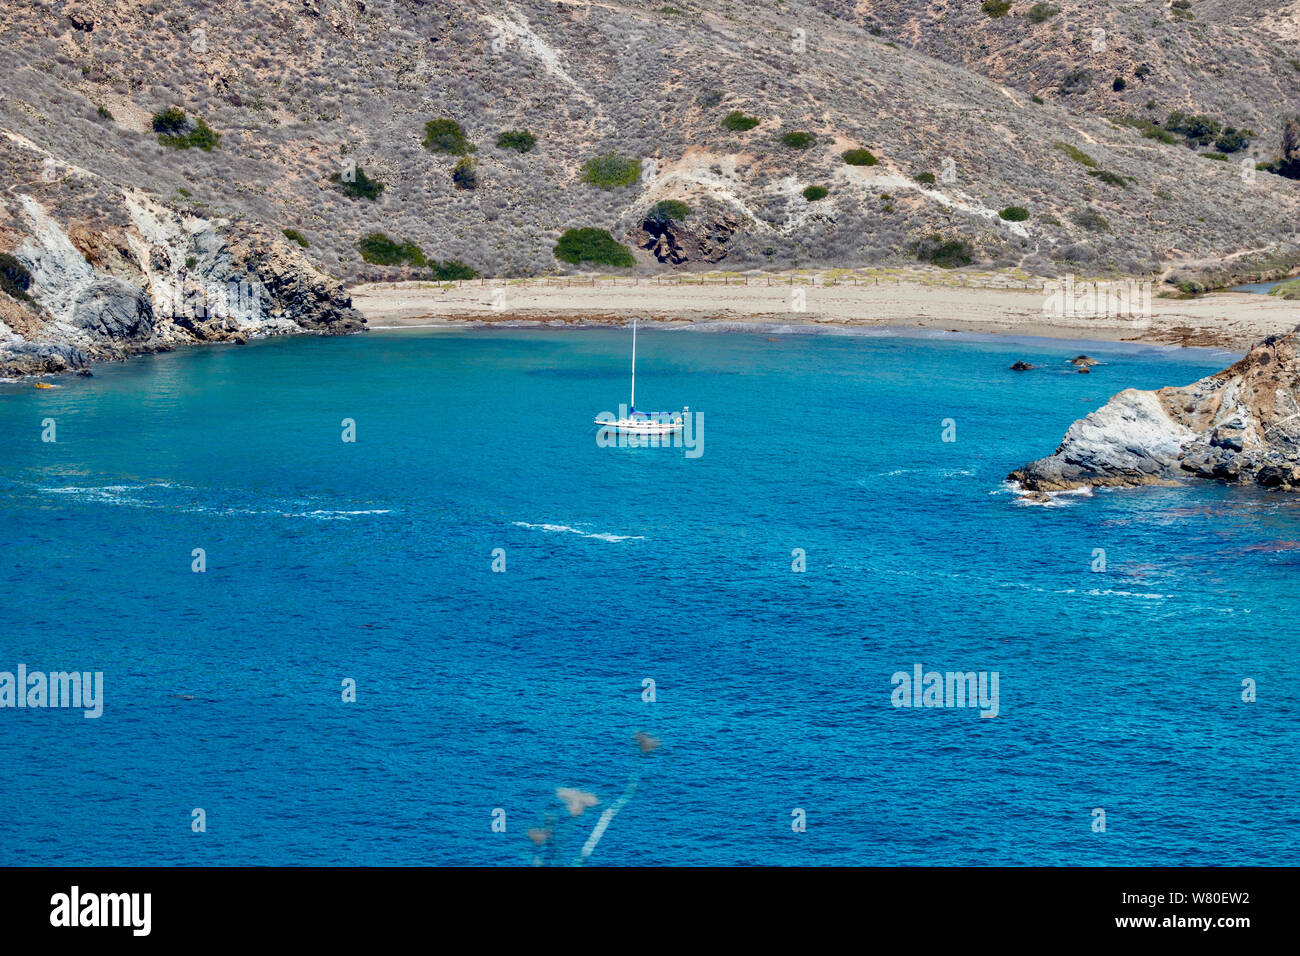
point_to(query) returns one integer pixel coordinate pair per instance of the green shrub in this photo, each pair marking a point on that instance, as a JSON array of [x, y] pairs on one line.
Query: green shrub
[[293, 235], [668, 210], [1112, 179], [1149, 129], [1198, 129], [519, 140], [1014, 214], [996, 8], [611, 170], [592, 245], [859, 157], [170, 121], [1222, 157], [1119, 84], [798, 139], [946, 253], [1035, 98], [174, 130], [1141, 71], [361, 186], [465, 175], [1076, 154], [446, 136], [202, 136], [738, 122], [1040, 12], [378, 249], [814, 193], [926, 177], [191, 262], [103, 112], [1233, 140], [450, 270], [15, 279]]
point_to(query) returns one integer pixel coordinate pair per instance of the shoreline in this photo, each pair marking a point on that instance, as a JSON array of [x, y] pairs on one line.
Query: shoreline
[[1228, 321]]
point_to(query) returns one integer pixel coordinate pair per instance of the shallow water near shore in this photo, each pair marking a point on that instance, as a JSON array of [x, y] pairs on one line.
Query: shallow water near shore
[[372, 561]]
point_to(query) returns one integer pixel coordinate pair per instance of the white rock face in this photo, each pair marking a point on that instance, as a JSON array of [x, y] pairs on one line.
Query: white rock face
[[169, 279], [1241, 424]]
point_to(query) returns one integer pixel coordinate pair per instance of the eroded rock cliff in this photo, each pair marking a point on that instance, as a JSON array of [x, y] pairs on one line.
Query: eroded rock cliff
[[1238, 425], [126, 274]]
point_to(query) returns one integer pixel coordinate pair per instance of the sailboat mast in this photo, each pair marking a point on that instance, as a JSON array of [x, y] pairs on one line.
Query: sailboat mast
[[633, 405]]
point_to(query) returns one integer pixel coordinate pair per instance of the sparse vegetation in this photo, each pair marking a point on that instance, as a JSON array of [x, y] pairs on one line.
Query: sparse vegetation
[[1076, 81], [709, 98], [1149, 129], [610, 171], [996, 8], [1014, 214], [592, 245], [293, 235], [358, 186], [520, 140], [1041, 12], [1221, 157], [859, 157], [1091, 220], [378, 249], [798, 139], [446, 136], [1076, 154], [668, 210], [814, 193], [738, 122], [925, 177], [1111, 179], [15, 279], [944, 252]]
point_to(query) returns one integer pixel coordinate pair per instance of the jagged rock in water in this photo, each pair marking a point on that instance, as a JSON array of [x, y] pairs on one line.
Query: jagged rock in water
[[1238, 425], [1020, 367]]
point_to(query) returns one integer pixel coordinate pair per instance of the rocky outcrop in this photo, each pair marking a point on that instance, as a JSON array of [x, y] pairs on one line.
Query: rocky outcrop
[[706, 239], [1238, 425], [97, 291]]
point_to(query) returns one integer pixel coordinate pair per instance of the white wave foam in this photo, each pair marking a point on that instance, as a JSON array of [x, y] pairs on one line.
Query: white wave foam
[[599, 535]]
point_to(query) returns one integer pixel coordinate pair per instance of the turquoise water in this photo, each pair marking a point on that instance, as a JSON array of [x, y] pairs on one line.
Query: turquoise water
[[477, 690]]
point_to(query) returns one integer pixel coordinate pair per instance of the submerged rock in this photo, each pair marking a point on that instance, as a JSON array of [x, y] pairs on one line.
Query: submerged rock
[[1238, 425], [1083, 361], [1021, 367]]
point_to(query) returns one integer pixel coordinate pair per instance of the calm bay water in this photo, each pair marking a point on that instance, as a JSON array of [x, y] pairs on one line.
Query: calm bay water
[[477, 690]]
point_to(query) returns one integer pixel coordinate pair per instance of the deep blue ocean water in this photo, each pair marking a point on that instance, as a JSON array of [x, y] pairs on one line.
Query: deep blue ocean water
[[478, 690]]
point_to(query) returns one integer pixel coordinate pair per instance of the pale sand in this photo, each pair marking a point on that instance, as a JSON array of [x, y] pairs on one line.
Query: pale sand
[[1230, 320]]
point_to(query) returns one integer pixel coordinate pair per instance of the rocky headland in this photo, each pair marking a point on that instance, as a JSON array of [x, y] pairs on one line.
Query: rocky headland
[[1241, 425]]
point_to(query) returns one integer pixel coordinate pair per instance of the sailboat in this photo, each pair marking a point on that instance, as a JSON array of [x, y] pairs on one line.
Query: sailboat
[[645, 423]]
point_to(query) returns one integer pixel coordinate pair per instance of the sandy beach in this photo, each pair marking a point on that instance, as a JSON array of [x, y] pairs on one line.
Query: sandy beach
[[983, 303]]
